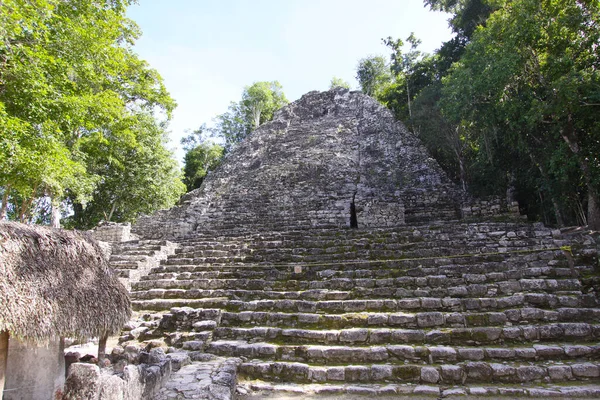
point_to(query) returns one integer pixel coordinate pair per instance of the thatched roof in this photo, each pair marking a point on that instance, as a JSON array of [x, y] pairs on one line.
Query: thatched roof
[[57, 283]]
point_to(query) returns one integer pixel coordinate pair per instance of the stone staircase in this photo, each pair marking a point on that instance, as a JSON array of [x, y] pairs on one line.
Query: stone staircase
[[448, 309], [136, 258]]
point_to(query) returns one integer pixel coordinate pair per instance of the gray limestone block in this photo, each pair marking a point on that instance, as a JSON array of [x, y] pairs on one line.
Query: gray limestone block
[[525, 353], [528, 373], [317, 374], [586, 370], [560, 372], [401, 319], [452, 374], [479, 371], [83, 382], [471, 354], [427, 390], [407, 336], [430, 319], [357, 373], [381, 372], [336, 374], [503, 353], [503, 372], [178, 360], [442, 353], [576, 330], [429, 375], [355, 335], [549, 352]]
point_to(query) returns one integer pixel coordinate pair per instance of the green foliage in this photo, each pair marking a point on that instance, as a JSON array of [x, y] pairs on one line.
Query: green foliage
[[257, 106], [68, 78], [135, 176], [261, 100], [467, 14], [338, 82], [373, 75], [528, 81], [201, 157]]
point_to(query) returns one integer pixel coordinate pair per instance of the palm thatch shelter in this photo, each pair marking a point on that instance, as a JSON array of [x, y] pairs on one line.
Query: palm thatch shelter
[[53, 284]]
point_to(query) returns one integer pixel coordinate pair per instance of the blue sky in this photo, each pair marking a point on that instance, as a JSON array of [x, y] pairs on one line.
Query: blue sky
[[208, 50]]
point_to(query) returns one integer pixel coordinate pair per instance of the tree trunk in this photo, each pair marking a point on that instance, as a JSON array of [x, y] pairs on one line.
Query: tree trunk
[[3, 358], [102, 350], [4, 207], [555, 205], [408, 96], [570, 137], [112, 210], [26, 205], [593, 210], [55, 221]]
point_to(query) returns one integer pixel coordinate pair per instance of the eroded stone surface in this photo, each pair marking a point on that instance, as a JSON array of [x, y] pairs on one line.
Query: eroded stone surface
[[305, 168]]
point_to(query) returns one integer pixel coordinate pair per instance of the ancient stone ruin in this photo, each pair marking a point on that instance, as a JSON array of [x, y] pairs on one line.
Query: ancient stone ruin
[[329, 254]]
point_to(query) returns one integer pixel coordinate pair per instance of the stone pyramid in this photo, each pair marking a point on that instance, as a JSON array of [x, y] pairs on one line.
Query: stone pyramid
[[330, 159]]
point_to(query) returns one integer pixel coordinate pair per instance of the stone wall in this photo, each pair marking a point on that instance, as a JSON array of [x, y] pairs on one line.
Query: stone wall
[[133, 375], [35, 372], [112, 232], [490, 207], [307, 167]]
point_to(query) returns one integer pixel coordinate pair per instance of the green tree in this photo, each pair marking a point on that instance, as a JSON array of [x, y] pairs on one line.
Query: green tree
[[257, 106], [136, 173], [467, 15], [373, 75], [338, 82], [261, 100], [201, 157], [404, 64], [67, 74], [532, 74]]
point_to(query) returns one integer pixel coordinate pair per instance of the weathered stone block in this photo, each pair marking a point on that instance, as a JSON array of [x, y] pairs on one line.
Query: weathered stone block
[[429, 375], [528, 373], [585, 370], [430, 319]]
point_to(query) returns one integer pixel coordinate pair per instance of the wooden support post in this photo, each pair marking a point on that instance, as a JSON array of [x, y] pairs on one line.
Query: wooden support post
[[3, 359], [102, 350]]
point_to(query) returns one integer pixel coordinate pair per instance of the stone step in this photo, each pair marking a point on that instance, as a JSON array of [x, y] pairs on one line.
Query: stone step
[[125, 265], [512, 317], [136, 253], [246, 295], [471, 372], [116, 258], [281, 256], [354, 391], [471, 273], [457, 275], [398, 354], [578, 332], [491, 229], [331, 249], [476, 262], [336, 302], [124, 248], [378, 305], [435, 286]]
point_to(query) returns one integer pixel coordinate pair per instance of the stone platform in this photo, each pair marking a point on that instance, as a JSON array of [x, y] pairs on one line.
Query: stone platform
[[505, 308]]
